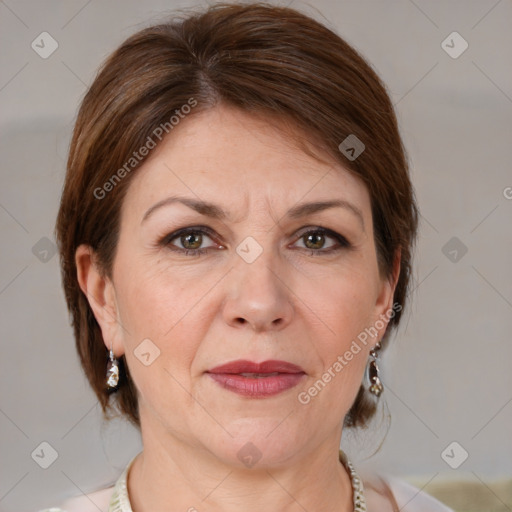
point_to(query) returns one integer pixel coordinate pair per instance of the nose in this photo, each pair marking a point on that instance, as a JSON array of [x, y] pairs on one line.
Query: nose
[[258, 296]]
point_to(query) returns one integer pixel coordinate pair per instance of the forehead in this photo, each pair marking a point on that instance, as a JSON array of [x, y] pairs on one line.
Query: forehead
[[231, 157]]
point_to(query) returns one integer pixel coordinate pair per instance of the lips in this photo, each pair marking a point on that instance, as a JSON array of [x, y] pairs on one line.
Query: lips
[[257, 380], [265, 367]]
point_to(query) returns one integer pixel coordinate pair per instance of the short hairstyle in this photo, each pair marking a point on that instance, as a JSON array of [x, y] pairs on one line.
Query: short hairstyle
[[266, 60]]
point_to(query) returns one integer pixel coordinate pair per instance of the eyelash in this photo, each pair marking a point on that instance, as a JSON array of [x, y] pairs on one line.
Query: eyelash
[[166, 240]]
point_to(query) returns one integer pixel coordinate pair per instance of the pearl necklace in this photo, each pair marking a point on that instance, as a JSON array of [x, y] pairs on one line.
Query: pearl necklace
[[357, 484], [120, 501]]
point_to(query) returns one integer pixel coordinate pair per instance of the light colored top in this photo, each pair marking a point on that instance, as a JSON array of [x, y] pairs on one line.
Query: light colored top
[[407, 497]]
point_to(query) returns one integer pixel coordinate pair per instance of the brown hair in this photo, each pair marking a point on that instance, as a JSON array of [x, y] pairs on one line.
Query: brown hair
[[267, 60]]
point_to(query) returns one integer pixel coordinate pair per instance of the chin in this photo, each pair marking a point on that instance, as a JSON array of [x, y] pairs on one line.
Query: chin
[[261, 443]]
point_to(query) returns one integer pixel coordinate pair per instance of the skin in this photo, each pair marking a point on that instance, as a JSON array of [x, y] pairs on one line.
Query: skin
[[207, 309]]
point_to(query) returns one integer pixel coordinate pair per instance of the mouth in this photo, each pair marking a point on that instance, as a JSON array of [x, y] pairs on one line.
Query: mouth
[[258, 375], [257, 380]]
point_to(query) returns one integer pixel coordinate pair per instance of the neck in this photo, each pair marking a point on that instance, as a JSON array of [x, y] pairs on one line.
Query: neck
[[174, 475]]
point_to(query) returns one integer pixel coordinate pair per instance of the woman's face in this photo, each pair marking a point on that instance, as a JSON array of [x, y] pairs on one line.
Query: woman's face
[[267, 284]]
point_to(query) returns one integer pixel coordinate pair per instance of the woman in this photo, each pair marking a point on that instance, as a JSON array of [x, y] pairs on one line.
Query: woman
[[236, 232]]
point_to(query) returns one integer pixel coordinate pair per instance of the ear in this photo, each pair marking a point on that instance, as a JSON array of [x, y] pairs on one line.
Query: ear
[[100, 293], [384, 307]]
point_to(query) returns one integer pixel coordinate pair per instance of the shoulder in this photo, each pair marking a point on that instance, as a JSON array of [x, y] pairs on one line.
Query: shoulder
[[92, 502], [387, 493]]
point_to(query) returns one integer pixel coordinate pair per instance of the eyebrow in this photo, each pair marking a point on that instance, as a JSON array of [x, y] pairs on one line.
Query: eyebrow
[[212, 210]]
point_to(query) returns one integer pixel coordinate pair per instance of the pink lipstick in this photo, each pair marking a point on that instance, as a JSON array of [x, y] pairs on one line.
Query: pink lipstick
[[257, 380]]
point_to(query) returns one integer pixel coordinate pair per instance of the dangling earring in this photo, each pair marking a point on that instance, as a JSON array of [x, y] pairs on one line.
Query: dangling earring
[[112, 371], [376, 387]]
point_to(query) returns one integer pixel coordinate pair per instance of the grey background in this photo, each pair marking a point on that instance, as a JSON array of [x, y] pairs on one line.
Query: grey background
[[447, 374]]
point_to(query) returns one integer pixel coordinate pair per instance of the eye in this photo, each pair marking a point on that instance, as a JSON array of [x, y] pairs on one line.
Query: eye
[[189, 240], [314, 241]]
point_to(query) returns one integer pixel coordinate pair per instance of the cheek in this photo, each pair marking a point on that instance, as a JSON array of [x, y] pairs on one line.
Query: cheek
[[149, 313], [343, 356], [170, 308], [154, 297], [345, 304]]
